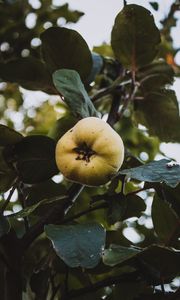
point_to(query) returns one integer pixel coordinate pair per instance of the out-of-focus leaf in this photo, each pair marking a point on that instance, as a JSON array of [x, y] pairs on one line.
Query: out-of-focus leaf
[[97, 66], [155, 5], [62, 126], [8, 136], [65, 48], [156, 171], [125, 207], [4, 226], [160, 114], [165, 220], [135, 37], [29, 72], [7, 174], [78, 245], [69, 84], [34, 158]]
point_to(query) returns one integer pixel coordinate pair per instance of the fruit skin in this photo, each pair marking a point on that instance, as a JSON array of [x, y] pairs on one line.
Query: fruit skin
[[90, 153]]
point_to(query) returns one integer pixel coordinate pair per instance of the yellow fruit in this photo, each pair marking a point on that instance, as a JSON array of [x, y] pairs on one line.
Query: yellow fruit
[[90, 153]]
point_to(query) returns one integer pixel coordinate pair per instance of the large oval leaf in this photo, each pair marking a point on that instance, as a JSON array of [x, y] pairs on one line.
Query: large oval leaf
[[135, 38], [9, 136], [7, 174], [65, 48], [78, 245], [29, 72], [34, 158]]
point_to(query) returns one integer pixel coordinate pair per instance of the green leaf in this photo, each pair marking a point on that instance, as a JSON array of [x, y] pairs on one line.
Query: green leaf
[[155, 5], [69, 84], [7, 174], [34, 158], [165, 220], [8, 136], [155, 76], [62, 126], [30, 209], [117, 254], [65, 48], [160, 114], [29, 72], [78, 245], [125, 207], [4, 226], [154, 261], [156, 171], [135, 37]]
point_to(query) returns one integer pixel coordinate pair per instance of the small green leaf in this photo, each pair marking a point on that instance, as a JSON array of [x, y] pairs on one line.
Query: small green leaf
[[4, 226], [117, 254], [34, 158], [135, 37], [165, 220], [160, 114], [8, 136], [155, 171], [70, 86], [155, 5], [78, 245], [29, 72], [65, 48]]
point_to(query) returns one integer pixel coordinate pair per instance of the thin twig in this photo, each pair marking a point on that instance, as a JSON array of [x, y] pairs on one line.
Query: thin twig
[[124, 2], [113, 114], [22, 201]]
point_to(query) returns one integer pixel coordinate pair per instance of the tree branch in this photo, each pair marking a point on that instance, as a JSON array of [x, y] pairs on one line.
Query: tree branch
[[15, 184]]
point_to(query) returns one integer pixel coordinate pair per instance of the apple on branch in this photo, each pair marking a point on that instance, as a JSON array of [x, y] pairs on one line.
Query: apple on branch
[[90, 153]]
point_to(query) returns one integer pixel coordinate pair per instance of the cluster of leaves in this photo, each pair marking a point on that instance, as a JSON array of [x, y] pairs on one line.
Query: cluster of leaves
[[69, 241]]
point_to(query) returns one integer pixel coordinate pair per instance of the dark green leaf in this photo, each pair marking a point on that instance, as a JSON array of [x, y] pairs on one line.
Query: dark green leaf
[[8, 136], [34, 158], [154, 261], [165, 220], [155, 5], [156, 171], [7, 174], [97, 66], [160, 114], [155, 76], [29, 72], [65, 48], [127, 290], [125, 207], [69, 84], [30, 209], [117, 254], [172, 196], [135, 37], [4, 226], [78, 245], [62, 126]]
